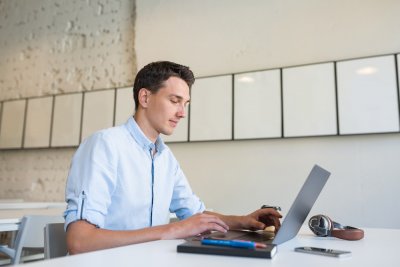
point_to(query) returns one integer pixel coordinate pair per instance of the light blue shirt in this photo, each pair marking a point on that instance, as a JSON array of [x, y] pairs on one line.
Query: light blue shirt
[[110, 182]]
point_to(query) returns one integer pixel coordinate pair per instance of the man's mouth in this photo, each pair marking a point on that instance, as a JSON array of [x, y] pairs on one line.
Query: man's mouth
[[173, 123]]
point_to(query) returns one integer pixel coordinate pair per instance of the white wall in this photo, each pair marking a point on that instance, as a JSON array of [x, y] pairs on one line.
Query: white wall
[[218, 37], [225, 36]]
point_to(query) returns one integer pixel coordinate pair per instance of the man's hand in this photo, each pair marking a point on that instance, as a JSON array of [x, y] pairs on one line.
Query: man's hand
[[82, 236], [195, 225], [262, 218], [258, 220]]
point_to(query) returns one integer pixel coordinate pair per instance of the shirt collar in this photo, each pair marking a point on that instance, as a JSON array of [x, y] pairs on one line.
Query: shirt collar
[[142, 139]]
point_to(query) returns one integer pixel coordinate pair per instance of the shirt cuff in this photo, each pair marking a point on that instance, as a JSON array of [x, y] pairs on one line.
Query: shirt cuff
[[91, 216]]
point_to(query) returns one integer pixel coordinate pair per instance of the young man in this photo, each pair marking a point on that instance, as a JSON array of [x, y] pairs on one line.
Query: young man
[[124, 181]]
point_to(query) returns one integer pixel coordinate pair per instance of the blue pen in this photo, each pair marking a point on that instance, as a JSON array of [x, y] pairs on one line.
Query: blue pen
[[232, 243]]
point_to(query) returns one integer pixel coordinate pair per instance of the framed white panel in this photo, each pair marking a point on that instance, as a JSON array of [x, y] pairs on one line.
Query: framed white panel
[[67, 120], [211, 109], [257, 105], [98, 111], [125, 106], [309, 100], [38, 122], [367, 95], [398, 74], [12, 124], [181, 131]]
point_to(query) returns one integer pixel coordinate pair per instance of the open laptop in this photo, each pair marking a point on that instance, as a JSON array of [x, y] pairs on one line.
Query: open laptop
[[292, 222]]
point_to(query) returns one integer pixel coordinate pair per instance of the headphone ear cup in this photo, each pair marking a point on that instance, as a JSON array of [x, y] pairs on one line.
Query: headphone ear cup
[[320, 225]]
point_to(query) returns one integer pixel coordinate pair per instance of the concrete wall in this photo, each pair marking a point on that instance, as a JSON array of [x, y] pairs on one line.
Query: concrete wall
[[218, 37], [53, 46], [37, 175]]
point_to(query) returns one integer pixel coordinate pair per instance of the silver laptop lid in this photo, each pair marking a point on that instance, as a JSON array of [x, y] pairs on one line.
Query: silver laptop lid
[[302, 205]]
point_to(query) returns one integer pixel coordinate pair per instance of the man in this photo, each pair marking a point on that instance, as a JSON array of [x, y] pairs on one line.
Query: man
[[124, 181]]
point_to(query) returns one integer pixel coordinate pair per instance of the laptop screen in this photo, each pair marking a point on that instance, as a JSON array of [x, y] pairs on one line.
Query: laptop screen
[[302, 205]]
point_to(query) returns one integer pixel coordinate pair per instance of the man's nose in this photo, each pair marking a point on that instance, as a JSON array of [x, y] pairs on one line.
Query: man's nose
[[181, 111]]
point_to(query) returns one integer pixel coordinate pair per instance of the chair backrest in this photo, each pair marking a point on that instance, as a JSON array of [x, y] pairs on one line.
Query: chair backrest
[[30, 234], [54, 241]]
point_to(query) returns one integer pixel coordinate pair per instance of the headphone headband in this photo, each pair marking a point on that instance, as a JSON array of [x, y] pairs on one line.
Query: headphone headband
[[322, 225]]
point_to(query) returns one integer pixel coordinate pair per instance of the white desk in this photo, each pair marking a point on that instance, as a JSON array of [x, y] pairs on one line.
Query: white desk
[[11, 200], [4, 205], [11, 218], [380, 247], [12, 211]]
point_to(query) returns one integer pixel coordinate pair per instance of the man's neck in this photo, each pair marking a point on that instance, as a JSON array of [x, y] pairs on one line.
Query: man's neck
[[144, 125]]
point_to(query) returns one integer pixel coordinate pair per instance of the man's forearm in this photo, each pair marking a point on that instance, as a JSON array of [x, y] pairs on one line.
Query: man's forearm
[[84, 237]]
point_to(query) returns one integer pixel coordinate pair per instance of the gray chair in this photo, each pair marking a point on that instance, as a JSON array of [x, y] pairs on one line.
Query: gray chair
[[54, 241], [29, 236]]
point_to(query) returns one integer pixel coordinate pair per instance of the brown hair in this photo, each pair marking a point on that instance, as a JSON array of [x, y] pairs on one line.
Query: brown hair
[[153, 75]]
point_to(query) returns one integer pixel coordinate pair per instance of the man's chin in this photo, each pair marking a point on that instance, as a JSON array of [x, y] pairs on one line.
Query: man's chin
[[168, 132]]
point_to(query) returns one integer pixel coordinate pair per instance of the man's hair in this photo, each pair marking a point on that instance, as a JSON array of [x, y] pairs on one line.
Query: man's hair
[[153, 75]]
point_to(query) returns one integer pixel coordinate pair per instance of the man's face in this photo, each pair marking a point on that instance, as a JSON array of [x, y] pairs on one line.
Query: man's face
[[167, 106]]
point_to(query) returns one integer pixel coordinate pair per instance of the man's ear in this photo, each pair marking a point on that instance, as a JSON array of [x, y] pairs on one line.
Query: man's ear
[[143, 97]]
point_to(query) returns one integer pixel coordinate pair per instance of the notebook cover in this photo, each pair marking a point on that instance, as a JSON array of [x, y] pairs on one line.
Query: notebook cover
[[197, 247]]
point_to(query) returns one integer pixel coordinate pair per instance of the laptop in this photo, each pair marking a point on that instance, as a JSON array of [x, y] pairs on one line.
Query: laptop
[[291, 224]]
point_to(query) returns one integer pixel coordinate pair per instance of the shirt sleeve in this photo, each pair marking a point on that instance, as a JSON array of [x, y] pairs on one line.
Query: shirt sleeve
[[91, 180], [184, 202]]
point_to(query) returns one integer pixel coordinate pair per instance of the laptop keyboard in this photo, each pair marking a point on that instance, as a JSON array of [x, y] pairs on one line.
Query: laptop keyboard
[[259, 236]]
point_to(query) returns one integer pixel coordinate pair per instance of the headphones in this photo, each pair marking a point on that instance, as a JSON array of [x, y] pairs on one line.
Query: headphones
[[322, 225]]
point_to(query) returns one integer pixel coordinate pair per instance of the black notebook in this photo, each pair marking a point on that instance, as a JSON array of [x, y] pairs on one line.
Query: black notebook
[[195, 246]]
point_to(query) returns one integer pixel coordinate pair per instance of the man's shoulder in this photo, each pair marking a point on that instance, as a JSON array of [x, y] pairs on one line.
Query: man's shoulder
[[116, 130], [114, 135]]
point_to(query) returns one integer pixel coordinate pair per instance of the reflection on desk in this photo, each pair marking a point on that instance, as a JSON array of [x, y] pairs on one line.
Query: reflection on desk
[[378, 248]]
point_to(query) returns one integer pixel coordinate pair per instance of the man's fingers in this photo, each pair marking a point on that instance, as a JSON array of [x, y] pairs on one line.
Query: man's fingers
[[220, 223], [258, 225], [218, 227], [269, 211], [277, 224], [214, 222], [270, 217]]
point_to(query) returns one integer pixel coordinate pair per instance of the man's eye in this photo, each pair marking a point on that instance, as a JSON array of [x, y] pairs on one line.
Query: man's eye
[[174, 101]]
